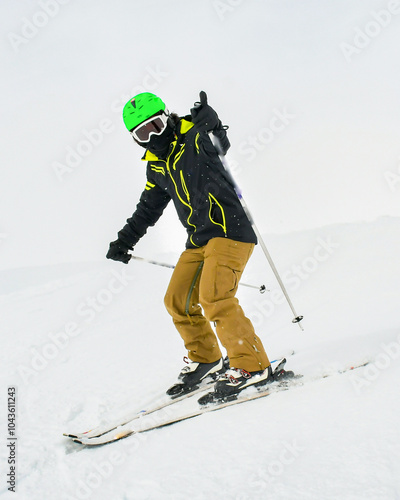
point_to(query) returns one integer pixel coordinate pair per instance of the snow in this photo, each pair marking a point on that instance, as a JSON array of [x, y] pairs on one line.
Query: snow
[[330, 438], [85, 339]]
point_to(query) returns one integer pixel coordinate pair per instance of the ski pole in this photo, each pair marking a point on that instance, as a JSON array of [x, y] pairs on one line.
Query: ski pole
[[261, 288], [225, 164]]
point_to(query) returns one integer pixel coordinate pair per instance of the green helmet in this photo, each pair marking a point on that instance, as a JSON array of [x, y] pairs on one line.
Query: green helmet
[[140, 108]]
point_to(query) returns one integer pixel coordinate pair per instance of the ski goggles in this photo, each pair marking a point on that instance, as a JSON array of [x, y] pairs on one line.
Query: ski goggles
[[152, 126]]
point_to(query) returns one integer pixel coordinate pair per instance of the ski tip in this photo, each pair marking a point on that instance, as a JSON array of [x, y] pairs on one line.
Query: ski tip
[[69, 435]]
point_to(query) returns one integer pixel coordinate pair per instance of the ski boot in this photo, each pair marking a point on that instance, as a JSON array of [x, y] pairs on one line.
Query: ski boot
[[194, 373], [236, 380]]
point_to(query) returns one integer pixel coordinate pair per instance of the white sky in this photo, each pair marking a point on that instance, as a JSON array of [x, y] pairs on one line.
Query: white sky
[[326, 165]]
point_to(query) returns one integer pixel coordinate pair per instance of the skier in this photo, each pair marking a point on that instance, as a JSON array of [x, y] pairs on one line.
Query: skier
[[183, 166]]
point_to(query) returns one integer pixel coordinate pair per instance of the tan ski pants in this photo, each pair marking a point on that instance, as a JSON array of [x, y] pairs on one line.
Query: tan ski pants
[[202, 290]]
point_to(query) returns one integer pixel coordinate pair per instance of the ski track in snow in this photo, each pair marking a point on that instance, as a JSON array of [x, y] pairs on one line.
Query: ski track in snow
[[327, 439]]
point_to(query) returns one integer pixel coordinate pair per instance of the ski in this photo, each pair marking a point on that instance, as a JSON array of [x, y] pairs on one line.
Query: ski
[[111, 426], [103, 429], [127, 429]]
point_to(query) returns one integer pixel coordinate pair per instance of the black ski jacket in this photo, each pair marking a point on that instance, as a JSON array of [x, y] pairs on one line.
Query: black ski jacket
[[195, 179]]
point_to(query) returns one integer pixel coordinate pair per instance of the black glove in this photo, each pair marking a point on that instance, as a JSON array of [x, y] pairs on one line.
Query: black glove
[[119, 251], [203, 115]]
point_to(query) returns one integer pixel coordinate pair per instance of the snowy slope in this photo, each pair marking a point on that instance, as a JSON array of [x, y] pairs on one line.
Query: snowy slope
[[88, 341], [84, 338]]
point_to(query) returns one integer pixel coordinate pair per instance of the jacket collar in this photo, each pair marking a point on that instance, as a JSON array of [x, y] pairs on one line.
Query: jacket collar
[[184, 126]]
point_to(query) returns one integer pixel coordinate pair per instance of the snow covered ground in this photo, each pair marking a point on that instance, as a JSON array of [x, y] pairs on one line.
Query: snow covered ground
[[310, 92], [89, 341]]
